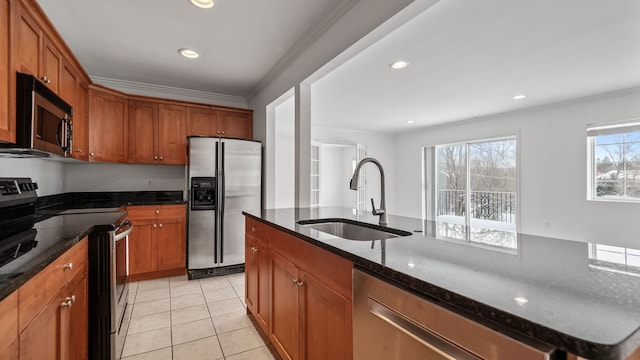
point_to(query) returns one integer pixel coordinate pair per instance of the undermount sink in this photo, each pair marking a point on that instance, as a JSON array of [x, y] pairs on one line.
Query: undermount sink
[[353, 230]]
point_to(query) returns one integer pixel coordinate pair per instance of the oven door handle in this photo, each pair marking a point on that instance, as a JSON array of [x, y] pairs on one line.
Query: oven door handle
[[119, 236]]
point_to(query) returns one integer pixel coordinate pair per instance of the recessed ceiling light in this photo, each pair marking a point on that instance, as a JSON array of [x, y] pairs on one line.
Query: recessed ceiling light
[[411, 264], [409, 122], [205, 4], [400, 64], [189, 53], [519, 97]]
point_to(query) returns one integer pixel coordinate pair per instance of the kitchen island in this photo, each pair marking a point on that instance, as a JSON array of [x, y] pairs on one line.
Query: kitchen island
[[542, 288]]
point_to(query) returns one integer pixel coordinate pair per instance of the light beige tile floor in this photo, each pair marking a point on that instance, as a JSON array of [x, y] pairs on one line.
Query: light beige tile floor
[[174, 318]]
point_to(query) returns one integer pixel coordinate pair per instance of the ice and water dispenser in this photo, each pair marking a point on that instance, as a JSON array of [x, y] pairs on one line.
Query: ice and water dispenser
[[203, 193]]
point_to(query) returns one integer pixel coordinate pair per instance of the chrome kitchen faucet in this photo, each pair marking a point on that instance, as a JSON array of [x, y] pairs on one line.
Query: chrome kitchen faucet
[[353, 185]]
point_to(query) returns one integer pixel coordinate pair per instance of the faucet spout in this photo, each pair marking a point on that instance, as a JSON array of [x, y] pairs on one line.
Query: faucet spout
[[353, 185]]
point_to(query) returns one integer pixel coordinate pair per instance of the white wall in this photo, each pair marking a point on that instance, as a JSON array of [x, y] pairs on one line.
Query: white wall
[[89, 177], [335, 171], [48, 174], [284, 149], [379, 146], [552, 167]]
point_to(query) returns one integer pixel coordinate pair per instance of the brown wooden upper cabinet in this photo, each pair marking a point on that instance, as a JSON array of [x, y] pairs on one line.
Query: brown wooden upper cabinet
[[203, 121], [108, 125], [7, 82], [237, 124], [157, 133], [81, 121], [36, 53]]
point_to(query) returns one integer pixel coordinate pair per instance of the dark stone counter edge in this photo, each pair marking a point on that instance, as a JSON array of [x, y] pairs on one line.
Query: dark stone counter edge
[[42, 262], [479, 312]]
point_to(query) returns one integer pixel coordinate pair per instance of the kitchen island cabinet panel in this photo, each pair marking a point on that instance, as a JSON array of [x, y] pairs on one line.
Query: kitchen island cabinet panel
[[46, 337], [309, 316], [327, 315], [285, 316]]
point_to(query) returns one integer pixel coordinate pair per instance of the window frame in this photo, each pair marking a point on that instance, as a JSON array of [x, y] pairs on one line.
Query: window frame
[[430, 191], [599, 129]]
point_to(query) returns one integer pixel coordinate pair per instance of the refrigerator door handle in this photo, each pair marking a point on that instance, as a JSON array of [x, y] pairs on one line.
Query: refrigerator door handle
[[221, 209], [217, 213]]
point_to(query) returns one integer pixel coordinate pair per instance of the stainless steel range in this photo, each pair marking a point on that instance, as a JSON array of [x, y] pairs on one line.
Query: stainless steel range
[[108, 292]]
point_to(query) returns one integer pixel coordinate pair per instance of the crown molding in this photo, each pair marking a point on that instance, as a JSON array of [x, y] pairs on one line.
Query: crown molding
[[169, 92], [309, 37]]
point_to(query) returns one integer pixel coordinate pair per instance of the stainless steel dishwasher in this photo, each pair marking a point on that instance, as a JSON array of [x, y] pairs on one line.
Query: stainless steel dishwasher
[[391, 323]]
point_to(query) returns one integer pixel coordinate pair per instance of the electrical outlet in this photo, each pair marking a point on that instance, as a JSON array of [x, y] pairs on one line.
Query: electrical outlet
[[149, 182]]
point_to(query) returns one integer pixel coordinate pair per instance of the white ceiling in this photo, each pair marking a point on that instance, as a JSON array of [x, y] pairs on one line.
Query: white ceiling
[[240, 41], [469, 58]]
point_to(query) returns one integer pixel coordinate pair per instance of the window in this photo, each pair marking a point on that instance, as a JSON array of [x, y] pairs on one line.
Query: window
[[475, 191], [615, 161], [614, 259], [314, 185]]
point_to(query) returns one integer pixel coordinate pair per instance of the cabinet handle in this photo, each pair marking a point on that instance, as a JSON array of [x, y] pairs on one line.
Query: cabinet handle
[[68, 266], [160, 226], [254, 250], [92, 154], [253, 229], [78, 150], [299, 284], [46, 80], [161, 158], [155, 158], [68, 302], [157, 211], [294, 281], [155, 225]]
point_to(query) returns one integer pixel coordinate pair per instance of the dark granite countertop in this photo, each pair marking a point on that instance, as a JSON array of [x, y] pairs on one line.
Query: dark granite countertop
[[61, 223], [547, 289], [54, 236]]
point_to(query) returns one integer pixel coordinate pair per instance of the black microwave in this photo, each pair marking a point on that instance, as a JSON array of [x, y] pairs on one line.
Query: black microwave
[[43, 119]]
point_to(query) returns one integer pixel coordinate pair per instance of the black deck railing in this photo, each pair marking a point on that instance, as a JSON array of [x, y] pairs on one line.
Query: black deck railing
[[487, 205]]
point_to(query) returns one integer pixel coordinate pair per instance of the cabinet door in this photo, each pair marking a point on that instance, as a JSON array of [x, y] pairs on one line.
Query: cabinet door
[[7, 92], [326, 318], [172, 138], [262, 309], [44, 336], [143, 246], [51, 65], [143, 141], [251, 274], [8, 322], [172, 244], [202, 122], [285, 319], [68, 87], [236, 124], [107, 127], [78, 320], [28, 42], [81, 122]]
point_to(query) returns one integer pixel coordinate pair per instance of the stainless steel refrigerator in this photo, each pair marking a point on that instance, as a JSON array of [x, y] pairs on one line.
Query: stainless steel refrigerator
[[224, 178]]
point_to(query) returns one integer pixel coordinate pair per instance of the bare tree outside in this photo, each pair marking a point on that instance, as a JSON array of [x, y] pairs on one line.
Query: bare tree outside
[[617, 165]]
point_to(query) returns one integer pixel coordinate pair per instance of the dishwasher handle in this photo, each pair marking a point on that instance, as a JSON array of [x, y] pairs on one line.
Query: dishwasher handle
[[420, 333]]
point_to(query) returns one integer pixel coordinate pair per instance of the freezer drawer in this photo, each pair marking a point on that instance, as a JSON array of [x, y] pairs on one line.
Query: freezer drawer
[[390, 323]]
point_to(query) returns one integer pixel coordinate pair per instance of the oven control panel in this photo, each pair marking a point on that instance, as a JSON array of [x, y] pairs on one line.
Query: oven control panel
[[16, 187]]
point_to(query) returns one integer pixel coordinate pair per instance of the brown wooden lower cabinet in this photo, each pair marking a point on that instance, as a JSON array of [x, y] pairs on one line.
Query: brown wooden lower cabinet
[[46, 318], [158, 243], [299, 294]]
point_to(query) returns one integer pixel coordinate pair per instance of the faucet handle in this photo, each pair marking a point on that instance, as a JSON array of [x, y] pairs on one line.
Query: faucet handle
[[375, 211]]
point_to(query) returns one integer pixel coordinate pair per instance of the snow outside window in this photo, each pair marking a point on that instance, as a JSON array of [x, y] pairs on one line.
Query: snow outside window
[[614, 161]]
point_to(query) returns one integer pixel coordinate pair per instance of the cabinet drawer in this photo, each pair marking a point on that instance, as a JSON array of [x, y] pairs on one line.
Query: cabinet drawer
[[38, 291], [156, 211], [256, 229]]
